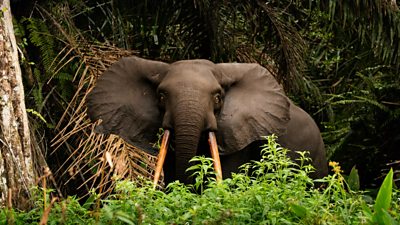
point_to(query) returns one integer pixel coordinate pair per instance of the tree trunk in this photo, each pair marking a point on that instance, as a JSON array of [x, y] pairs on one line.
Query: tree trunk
[[17, 174]]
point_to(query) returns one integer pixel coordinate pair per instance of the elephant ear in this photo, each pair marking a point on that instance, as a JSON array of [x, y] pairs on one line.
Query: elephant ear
[[124, 99], [254, 106]]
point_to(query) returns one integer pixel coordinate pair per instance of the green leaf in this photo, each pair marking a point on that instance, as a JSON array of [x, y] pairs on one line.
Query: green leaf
[[89, 202], [354, 180], [367, 211], [299, 210], [385, 193], [124, 217], [387, 219], [194, 167], [382, 202]]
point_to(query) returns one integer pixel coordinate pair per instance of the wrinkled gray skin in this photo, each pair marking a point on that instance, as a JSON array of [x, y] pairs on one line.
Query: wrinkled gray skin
[[239, 102]]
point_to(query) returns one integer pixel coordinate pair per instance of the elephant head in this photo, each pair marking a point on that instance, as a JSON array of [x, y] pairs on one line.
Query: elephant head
[[239, 102]]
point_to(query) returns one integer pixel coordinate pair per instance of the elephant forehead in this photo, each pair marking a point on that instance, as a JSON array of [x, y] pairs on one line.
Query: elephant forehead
[[188, 69], [190, 76]]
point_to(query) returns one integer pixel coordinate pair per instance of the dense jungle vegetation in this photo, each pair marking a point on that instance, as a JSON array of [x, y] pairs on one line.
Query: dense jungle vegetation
[[338, 60], [277, 192]]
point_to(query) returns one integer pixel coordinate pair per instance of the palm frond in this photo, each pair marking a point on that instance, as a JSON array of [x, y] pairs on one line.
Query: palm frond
[[88, 159], [290, 44], [376, 22]]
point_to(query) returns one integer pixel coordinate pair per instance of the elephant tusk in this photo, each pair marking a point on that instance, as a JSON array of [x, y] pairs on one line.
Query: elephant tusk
[[161, 158], [215, 155]]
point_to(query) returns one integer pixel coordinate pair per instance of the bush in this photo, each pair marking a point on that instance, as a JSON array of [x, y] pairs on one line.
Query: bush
[[274, 190]]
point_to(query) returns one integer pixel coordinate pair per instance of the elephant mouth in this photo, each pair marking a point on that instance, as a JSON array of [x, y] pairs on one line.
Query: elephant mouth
[[212, 142]]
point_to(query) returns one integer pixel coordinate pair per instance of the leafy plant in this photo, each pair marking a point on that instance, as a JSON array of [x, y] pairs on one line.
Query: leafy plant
[[383, 202], [201, 171], [347, 61], [280, 192]]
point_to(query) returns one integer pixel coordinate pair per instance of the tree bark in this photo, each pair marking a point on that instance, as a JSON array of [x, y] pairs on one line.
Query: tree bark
[[17, 174]]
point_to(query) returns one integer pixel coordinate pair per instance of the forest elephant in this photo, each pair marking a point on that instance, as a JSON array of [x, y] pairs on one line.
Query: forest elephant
[[238, 103]]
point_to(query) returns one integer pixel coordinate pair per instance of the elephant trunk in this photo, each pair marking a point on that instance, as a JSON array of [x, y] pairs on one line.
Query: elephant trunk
[[189, 123]]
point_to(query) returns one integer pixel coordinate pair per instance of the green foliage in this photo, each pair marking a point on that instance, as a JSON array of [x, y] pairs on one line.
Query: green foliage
[[358, 85], [47, 66], [341, 55], [383, 201], [376, 22], [67, 211], [46, 75], [201, 172], [353, 180], [40, 36], [382, 207], [363, 124], [280, 192]]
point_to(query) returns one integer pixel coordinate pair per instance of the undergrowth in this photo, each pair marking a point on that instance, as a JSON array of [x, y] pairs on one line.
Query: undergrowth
[[274, 190]]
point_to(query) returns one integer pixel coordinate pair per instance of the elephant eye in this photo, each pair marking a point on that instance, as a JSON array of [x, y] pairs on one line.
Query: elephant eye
[[162, 97], [217, 98]]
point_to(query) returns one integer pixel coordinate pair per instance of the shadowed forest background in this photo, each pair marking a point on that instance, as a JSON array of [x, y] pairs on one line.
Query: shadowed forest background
[[338, 60]]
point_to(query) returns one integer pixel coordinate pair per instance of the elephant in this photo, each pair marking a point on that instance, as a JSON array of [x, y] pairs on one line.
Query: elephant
[[239, 102]]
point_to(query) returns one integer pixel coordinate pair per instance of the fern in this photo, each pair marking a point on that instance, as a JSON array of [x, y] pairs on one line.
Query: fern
[[64, 76], [373, 102], [41, 37], [374, 21]]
